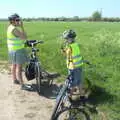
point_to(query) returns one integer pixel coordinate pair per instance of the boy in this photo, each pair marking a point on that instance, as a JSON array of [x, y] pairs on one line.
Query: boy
[[73, 59]]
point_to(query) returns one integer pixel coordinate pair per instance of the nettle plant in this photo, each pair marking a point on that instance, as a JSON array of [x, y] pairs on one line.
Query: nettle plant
[[107, 42]]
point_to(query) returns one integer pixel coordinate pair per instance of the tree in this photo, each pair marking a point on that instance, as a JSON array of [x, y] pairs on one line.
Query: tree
[[76, 18], [96, 16]]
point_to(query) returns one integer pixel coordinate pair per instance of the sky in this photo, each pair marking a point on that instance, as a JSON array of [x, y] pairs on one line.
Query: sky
[[59, 8]]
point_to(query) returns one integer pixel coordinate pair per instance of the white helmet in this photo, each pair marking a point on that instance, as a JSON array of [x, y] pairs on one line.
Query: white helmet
[[69, 34]]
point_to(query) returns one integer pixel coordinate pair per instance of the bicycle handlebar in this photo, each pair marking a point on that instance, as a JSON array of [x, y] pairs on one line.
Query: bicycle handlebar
[[87, 62], [31, 43]]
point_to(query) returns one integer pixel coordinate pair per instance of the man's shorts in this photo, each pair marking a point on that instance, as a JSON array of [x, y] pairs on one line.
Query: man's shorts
[[18, 57], [77, 76]]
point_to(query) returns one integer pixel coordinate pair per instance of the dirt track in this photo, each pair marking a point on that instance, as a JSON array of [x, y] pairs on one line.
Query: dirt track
[[16, 104]]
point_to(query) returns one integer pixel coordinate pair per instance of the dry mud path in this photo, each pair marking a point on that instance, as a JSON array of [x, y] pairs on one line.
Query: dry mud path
[[17, 104]]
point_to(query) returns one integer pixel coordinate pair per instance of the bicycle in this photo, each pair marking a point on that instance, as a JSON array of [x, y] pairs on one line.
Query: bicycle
[[72, 109], [37, 71]]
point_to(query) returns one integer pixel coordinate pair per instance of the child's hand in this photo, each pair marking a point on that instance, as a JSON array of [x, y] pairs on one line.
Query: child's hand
[[62, 49]]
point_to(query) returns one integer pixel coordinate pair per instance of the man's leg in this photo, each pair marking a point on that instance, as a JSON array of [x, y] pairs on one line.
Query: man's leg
[[20, 78], [13, 71], [19, 72]]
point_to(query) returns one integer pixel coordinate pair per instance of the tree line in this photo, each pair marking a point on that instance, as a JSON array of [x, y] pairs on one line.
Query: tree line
[[96, 16]]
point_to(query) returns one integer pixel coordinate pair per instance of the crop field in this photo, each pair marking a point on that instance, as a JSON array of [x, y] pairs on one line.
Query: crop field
[[100, 44]]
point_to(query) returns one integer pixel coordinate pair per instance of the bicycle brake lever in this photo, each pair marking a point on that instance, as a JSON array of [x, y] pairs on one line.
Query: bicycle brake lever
[[87, 62]]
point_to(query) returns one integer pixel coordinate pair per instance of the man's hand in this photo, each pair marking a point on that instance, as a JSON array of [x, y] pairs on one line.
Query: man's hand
[[21, 23]]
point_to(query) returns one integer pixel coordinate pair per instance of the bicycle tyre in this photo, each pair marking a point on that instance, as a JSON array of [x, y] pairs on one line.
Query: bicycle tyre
[[61, 96], [82, 114], [38, 77]]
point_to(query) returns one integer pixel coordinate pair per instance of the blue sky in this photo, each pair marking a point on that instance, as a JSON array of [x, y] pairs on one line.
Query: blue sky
[[57, 8]]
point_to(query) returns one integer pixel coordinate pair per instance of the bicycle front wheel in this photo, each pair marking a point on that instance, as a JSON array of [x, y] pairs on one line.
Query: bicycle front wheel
[[38, 77], [58, 106], [72, 114]]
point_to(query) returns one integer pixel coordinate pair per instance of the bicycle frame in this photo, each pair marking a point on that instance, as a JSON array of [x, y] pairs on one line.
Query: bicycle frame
[[64, 96], [35, 61], [34, 51], [66, 87]]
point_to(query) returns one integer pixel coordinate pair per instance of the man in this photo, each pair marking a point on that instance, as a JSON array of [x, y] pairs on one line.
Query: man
[[16, 37]]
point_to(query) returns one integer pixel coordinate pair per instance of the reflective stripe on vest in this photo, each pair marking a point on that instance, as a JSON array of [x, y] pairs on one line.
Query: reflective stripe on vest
[[13, 42], [76, 57]]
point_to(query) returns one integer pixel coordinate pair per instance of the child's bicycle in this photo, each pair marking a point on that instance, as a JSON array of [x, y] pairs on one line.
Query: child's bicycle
[[68, 109], [34, 69]]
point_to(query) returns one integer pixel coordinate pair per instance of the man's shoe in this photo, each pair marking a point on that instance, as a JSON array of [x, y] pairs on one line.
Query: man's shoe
[[27, 87], [16, 82]]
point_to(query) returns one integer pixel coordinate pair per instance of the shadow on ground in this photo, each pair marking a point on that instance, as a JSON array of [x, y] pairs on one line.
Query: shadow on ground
[[49, 92], [99, 96], [48, 89]]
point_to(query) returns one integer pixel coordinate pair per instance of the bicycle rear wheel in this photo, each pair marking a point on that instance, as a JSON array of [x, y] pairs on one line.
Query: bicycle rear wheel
[[72, 114], [38, 77]]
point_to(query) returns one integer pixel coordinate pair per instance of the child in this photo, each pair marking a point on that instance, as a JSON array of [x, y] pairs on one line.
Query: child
[[73, 59]]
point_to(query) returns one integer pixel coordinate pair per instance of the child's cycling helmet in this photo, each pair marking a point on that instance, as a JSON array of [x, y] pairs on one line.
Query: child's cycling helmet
[[69, 34]]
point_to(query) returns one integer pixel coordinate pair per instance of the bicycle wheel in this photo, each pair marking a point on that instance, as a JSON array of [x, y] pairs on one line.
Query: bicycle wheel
[[58, 106], [72, 114], [38, 77]]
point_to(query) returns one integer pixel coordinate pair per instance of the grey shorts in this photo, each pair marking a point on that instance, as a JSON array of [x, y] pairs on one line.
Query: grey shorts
[[18, 57], [77, 76]]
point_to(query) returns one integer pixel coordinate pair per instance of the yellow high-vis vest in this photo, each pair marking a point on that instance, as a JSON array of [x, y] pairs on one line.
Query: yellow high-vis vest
[[14, 43], [75, 59]]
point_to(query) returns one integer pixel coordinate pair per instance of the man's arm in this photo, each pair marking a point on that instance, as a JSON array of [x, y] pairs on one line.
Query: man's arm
[[21, 34]]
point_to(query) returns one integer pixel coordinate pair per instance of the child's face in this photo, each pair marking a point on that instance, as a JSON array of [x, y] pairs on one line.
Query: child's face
[[69, 40]]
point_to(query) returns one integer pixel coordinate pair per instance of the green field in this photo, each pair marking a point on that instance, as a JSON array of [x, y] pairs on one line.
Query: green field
[[100, 44]]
